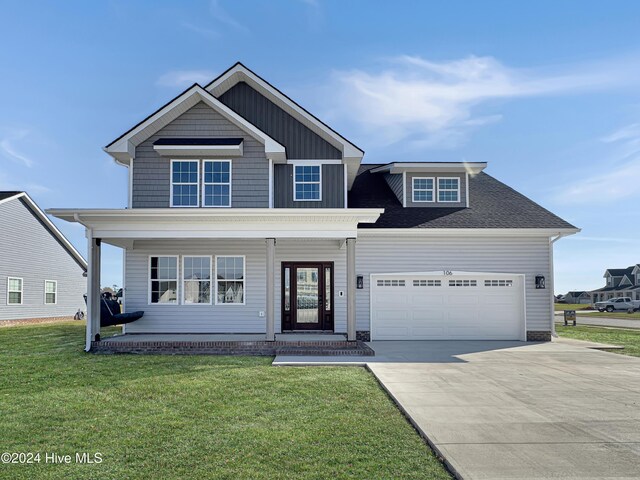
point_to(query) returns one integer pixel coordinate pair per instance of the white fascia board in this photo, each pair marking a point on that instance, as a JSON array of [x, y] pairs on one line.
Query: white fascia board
[[124, 148], [472, 168], [480, 232], [57, 233], [231, 223], [8, 199], [240, 73], [212, 150]]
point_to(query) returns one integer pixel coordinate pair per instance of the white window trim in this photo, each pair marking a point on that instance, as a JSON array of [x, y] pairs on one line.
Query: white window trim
[[218, 183], [432, 190], [448, 190], [21, 291], [149, 280], [244, 280], [210, 257], [307, 164], [55, 282], [171, 183]]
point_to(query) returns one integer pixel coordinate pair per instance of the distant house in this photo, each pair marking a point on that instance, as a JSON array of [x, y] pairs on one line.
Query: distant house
[[620, 282], [41, 274], [577, 297]]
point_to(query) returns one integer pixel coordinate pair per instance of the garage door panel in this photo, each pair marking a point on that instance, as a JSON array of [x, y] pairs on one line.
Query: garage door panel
[[483, 306]]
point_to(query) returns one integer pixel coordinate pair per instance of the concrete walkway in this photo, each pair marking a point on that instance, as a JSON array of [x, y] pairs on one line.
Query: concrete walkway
[[498, 410]]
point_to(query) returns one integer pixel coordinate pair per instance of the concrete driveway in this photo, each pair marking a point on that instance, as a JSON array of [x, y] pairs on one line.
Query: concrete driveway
[[498, 410]]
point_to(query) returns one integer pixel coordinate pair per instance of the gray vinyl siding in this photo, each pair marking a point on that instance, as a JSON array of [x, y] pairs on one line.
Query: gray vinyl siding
[[224, 318], [332, 187], [529, 256], [250, 173], [29, 251], [394, 180], [299, 140], [463, 190]]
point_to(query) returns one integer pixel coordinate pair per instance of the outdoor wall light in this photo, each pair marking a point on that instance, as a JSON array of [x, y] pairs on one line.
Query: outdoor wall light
[[540, 281], [359, 282]]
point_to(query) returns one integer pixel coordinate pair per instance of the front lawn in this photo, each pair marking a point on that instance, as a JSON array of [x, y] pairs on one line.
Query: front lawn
[[195, 416], [630, 339], [558, 307]]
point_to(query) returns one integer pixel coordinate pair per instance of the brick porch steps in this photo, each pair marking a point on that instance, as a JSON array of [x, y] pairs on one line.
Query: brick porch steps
[[264, 348]]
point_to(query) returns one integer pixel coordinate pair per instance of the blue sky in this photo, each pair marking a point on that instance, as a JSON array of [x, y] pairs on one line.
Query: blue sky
[[546, 92]]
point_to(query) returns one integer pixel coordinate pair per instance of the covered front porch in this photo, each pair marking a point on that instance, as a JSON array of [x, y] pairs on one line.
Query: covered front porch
[[263, 241]]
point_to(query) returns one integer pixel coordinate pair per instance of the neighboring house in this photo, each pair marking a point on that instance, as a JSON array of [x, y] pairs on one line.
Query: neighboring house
[[247, 214], [620, 282], [577, 297], [41, 274]]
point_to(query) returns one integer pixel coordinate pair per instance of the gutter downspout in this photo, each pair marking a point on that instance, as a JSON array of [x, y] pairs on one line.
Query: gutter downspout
[[553, 240]]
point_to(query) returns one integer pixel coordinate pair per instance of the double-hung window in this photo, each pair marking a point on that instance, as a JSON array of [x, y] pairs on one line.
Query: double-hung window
[[423, 189], [196, 280], [307, 181], [230, 273], [216, 185], [184, 183], [163, 279], [50, 292], [448, 189], [14, 291]]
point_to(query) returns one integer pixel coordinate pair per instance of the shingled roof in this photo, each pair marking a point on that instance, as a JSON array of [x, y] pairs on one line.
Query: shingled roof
[[492, 204]]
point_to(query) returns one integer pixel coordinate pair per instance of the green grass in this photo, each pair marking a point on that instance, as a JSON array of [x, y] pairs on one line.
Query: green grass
[[630, 339], [196, 416], [570, 306]]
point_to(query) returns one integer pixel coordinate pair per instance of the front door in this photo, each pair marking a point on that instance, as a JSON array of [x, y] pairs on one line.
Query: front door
[[307, 296]]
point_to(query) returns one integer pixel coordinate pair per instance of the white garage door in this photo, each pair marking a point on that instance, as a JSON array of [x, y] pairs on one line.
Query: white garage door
[[451, 306]]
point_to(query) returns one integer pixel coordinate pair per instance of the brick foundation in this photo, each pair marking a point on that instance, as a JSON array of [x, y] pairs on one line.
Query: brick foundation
[[262, 348], [363, 335], [538, 336]]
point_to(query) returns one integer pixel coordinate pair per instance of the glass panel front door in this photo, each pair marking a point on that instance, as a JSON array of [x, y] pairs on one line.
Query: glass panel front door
[[307, 295]]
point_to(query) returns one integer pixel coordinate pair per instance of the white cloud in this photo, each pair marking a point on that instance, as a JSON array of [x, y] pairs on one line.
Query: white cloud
[[222, 16], [8, 149], [32, 188], [437, 101], [184, 78], [203, 31], [615, 178]]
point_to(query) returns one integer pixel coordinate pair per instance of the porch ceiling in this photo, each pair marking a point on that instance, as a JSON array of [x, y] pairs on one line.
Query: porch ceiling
[[132, 224]]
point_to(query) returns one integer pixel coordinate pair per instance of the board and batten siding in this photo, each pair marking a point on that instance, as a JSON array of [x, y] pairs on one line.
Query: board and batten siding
[[394, 180], [151, 172], [332, 187], [299, 140], [387, 254], [436, 204], [213, 318], [29, 251]]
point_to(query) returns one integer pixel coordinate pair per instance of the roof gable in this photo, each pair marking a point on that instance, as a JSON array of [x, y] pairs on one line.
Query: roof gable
[[44, 220], [351, 154], [122, 149]]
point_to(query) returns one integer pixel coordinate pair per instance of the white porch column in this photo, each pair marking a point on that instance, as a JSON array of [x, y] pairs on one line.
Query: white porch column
[[271, 271], [93, 290], [351, 289]]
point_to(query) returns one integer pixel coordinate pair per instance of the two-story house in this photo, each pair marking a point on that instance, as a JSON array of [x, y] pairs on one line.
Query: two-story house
[[247, 214], [620, 282]]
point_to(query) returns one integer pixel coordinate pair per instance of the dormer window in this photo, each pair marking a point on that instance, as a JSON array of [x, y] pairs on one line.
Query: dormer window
[[423, 189], [448, 189], [307, 181], [609, 281], [185, 176]]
